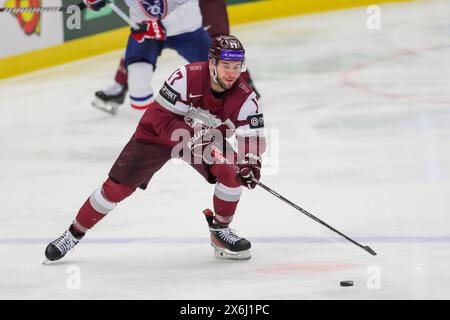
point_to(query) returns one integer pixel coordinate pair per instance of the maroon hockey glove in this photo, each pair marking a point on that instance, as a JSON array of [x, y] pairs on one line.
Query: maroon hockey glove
[[250, 168], [95, 4], [149, 30]]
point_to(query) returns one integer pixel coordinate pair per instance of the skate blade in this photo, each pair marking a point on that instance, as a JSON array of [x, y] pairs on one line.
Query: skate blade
[[46, 261], [225, 254], [109, 107]]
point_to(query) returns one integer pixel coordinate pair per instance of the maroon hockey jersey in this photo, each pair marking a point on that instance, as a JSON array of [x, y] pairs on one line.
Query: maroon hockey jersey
[[189, 87]]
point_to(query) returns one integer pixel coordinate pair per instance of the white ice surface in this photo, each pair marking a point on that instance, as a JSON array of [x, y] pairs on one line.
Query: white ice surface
[[364, 144]]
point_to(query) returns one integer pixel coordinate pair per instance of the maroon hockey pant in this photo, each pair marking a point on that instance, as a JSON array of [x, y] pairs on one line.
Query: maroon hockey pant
[[134, 168]]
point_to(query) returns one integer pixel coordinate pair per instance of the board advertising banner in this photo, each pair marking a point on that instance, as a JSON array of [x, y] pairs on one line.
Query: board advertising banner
[[27, 31], [93, 22]]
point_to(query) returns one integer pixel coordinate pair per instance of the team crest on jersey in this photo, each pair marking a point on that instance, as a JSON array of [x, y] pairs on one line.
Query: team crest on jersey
[[243, 87], [198, 116], [154, 8]]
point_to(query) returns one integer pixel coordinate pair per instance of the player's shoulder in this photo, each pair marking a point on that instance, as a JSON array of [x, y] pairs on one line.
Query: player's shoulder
[[197, 66], [197, 74], [244, 100], [243, 87], [242, 90]]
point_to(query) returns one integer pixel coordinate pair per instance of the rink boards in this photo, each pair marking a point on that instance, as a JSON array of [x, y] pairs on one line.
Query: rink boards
[[37, 41]]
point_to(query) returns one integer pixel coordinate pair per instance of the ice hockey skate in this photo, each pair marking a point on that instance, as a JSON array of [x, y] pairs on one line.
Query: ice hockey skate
[[109, 100], [60, 247], [226, 243]]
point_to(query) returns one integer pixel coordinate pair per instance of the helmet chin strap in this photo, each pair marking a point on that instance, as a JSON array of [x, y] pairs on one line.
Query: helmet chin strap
[[215, 74]]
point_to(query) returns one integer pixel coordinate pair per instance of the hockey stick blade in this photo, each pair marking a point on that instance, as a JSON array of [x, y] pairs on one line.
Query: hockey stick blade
[[369, 250]]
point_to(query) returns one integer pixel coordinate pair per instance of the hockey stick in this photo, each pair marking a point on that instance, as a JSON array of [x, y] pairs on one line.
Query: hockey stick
[[80, 5], [123, 15], [217, 154], [366, 248]]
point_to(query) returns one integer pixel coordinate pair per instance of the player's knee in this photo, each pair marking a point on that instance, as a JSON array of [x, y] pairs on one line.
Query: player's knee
[[226, 175], [116, 192]]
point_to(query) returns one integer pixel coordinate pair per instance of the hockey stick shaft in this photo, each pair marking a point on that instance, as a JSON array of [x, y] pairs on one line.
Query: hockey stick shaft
[[217, 154], [80, 5], [276, 194], [123, 15]]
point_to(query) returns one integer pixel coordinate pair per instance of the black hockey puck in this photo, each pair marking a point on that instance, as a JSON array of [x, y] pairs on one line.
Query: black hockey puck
[[347, 283]]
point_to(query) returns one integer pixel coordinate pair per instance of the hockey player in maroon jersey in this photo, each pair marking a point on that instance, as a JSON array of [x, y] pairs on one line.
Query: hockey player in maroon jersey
[[198, 105]]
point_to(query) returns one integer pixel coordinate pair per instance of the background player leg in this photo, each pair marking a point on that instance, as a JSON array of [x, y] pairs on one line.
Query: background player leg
[[193, 46], [135, 74], [215, 20], [111, 98], [140, 62], [215, 16]]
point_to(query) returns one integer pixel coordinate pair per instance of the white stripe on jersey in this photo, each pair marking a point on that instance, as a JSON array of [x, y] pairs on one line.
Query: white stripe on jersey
[[177, 108], [177, 82], [245, 131], [250, 107]]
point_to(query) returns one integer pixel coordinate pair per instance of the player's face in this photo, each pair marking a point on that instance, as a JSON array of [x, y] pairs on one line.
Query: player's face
[[228, 72]]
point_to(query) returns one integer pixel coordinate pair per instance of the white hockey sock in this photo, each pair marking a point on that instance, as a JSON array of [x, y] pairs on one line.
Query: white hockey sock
[[139, 81]]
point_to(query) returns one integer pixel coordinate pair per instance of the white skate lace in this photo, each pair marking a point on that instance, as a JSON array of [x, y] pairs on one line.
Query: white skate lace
[[115, 89], [228, 235], [66, 242]]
